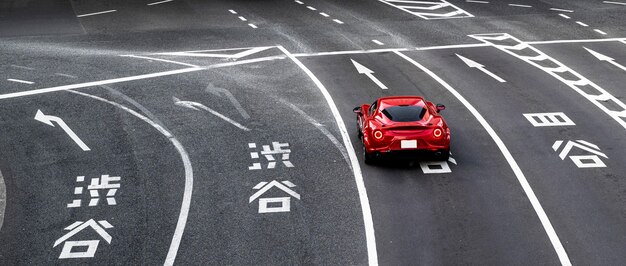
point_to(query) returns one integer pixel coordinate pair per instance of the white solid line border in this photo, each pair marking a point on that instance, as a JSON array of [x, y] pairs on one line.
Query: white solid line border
[[97, 13], [356, 168], [160, 2], [21, 81], [545, 221]]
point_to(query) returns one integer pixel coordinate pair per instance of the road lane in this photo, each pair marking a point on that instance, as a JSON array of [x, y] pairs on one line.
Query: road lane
[[585, 205], [470, 214]]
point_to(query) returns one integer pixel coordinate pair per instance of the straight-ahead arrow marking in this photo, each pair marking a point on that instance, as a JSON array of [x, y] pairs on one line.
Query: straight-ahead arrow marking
[[221, 91], [474, 64], [196, 105], [364, 70], [602, 57], [48, 119]]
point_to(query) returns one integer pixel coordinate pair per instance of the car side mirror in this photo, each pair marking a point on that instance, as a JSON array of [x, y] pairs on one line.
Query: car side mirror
[[357, 110], [440, 107]]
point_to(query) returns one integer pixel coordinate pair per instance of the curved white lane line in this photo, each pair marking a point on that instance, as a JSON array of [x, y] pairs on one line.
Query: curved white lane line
[[547, 225], [159, 59], [184, 208], [356, 168]]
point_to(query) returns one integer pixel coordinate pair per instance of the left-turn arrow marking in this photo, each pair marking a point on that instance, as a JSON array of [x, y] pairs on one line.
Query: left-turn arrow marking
[[48, 119]]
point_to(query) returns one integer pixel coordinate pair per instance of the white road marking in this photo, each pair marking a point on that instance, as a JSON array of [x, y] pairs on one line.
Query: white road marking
[[599, 31], [3, 198], [562, 10], [577, 41], [545, 221], [252, 26], [518, 5], [97, 13], [160, 2], [477, 2], [369, 73], [356, 168], [21, 81], [473, 64], [582, 24], [224, 92], [22, 67], [242, 18], [623, 41], [65, 75], [311, 8], [159, 59], [428, 9], [48, 119], [565, 16], [299, 2], [378, 42], [338, 21], [555, 119], [186, 202], [196, 105], [232, 11], [566, 75], [614, 3], [324, 14], [602, 57]]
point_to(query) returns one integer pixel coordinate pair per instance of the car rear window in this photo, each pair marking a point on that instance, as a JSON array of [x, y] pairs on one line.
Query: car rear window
[[406, 113]]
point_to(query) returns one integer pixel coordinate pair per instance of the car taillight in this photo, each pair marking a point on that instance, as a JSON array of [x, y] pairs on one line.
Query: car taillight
[[437, 133], [378, 134]]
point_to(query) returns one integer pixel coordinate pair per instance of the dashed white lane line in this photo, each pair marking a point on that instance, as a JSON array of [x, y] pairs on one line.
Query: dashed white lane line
[[534, 201], [232, 11], [21, 81], [160, 2], [562, 10], [324, 14], [565, 16], [599, 31], [252, 25], [338, 21], [96, 13], [368, 222], [311, 8], [299, 2], [242, 18], [477, 2], [582, 24], [22, 67], [518, 5], [614, 3], [378, 42]]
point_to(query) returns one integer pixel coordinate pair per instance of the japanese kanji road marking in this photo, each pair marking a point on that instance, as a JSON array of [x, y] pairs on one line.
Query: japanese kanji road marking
[[581, 161], [48, 119], [549, 119], [585, 87], [534, 201]]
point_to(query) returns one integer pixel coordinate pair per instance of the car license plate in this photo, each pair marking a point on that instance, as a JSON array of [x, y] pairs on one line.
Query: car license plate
[[408, 144]]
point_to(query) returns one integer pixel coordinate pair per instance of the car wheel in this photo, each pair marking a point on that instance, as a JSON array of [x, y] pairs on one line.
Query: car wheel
[[367, 157], [444, 155]]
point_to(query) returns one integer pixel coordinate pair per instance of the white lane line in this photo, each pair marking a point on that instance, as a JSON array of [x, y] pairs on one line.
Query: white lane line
[[623, 41], [242, 18], [599, 31], [545, 221], [338, 21], [184, 208], [21, 81], [356, 168], [252, 26], [562, 10], [565, 16], [232, 11], [3, 198], [299, 2], [196, 105], [324, 14], [614, 3], [311, 8], [477, 2], [518, 5], [160, 2], [161, 60], [65, 75], [22, 67], [577, 41], [378, 42], [582, 24], [97, 13]]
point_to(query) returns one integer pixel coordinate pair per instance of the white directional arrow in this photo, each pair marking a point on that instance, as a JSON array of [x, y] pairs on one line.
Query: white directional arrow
[[474, 64], [364, 70], [48, 119], [602, 57], [220, 91], [196, 105]]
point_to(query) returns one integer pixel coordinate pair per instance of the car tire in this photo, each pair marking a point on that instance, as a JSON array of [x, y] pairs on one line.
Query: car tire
[[367, 157], [444, 156]]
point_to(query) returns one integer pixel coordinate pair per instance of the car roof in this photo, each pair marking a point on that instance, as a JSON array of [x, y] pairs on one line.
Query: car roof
[[401, 100]]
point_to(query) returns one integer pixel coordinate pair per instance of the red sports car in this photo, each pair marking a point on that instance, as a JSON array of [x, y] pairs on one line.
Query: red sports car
[[403, 126]]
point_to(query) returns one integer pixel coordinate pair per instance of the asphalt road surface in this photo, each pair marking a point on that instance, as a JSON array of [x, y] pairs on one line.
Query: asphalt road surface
[[190, 132]]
